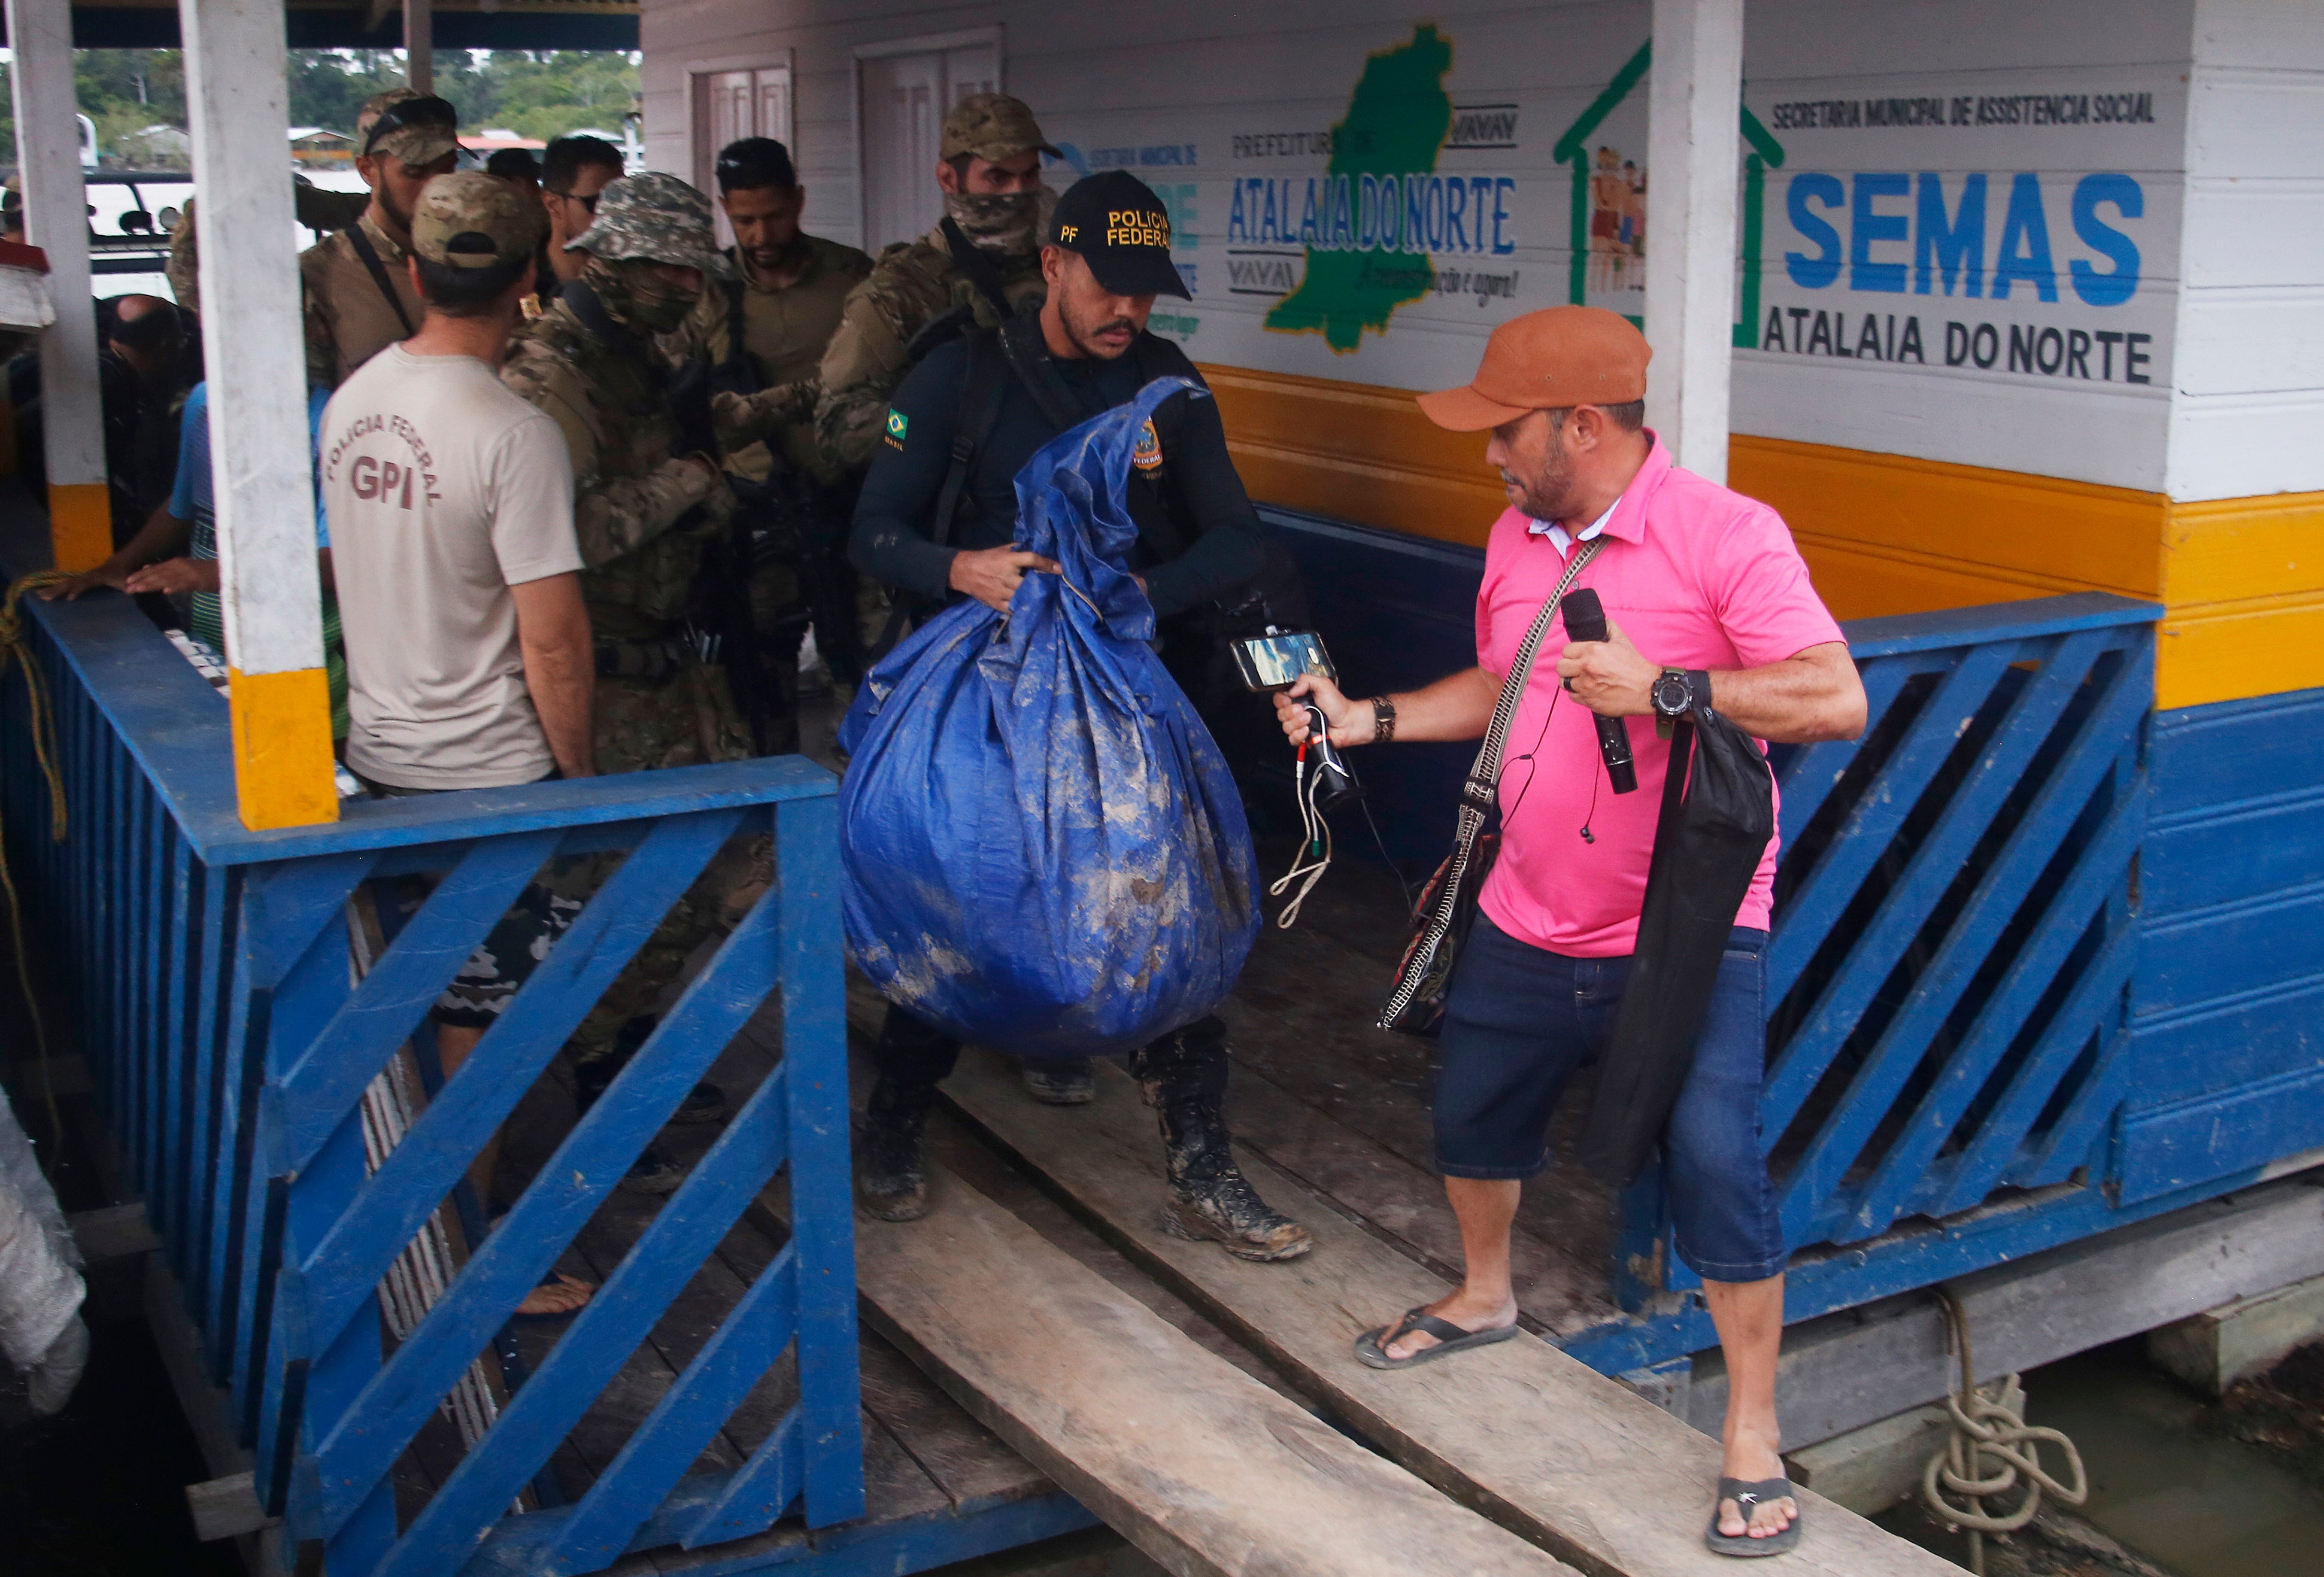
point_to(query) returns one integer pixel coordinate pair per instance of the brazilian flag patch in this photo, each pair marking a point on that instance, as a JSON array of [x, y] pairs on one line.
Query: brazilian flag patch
[[1147, 455], [899, 424]]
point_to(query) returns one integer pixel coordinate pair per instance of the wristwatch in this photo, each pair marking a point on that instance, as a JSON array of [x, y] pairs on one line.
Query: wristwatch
[[1678, 692], [1383, 720]]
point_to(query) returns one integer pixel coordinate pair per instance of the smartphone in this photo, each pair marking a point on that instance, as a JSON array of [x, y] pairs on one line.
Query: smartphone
[[1272, 662]]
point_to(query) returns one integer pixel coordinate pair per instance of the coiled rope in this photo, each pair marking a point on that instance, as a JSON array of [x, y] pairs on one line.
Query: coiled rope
[[1990, 1452], [41, 722]]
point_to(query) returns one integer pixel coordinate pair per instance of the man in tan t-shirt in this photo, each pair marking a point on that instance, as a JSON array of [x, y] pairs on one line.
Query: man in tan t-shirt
[[360, 298], [469, 659]]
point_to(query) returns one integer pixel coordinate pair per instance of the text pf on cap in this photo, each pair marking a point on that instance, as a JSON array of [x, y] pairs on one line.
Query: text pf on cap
[[1121, 228]]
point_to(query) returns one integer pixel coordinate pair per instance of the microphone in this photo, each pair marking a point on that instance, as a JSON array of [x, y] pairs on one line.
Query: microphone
[[1335, 785], [1585, 620]]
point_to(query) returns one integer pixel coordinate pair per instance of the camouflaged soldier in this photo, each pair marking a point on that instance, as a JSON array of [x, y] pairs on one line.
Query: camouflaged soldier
[[647, 498], [359, 296], [758, 340], [995, 211]]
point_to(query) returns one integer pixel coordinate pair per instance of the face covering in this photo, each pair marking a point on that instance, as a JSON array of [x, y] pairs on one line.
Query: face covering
[[1008, 222], [631, 292]]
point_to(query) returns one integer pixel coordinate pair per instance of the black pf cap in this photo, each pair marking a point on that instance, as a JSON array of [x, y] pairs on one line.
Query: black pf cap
[[1121, 228]]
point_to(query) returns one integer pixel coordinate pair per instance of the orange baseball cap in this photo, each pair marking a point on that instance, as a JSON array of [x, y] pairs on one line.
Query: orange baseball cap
[[1558, 357]]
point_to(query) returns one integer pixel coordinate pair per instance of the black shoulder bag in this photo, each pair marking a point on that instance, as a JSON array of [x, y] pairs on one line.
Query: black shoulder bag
[[1448, 904], [1718, 812]]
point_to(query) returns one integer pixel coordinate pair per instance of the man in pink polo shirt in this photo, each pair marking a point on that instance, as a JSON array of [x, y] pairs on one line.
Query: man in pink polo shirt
[[1707, 602]]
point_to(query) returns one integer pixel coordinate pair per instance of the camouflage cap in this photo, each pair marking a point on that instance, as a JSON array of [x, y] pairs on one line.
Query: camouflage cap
[[993, 126], [472, 220], [421, 136], [655, 217]]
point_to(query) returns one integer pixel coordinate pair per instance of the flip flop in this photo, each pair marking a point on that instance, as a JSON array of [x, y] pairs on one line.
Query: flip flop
[[553, 1280], [552, 1276], [1746, 1495], [1372, 1347]]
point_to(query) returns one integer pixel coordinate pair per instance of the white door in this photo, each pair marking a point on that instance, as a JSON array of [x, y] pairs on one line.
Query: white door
[[904, 100], [729, 105]]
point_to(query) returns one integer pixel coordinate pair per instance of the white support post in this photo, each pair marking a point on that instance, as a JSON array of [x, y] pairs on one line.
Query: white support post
[[1694, 106], [254, 348], [420, 45], [56, 220]]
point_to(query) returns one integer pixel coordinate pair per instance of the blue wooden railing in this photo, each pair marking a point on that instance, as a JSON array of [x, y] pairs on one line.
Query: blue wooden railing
[[1948, 978], [208, 974]]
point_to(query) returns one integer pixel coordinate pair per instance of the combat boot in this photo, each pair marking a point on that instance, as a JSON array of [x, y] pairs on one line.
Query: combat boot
[[1183, 1077], [1062, 1082], [891, 1150]]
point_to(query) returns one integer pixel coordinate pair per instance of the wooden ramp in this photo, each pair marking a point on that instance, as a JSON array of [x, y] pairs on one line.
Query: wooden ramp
[[1536, 1440], [1201, 1466]]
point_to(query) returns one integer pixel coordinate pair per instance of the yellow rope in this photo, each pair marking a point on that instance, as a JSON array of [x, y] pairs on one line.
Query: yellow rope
[[42, 724]]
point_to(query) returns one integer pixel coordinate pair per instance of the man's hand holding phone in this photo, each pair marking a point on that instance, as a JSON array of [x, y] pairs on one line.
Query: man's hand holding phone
[[1351, 722]]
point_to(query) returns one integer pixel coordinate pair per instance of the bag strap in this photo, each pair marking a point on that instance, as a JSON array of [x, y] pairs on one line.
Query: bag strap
[[370, 255], [980, 386], [976, 266], [738, 372], [1478, 794], [1029, 358], [1674, 806]]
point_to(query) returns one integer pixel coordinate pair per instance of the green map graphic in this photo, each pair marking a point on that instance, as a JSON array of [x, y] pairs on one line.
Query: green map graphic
[[1396, 124]]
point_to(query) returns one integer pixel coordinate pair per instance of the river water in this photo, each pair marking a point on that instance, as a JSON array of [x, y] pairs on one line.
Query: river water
[[2162, 1482], [2197, 1501]]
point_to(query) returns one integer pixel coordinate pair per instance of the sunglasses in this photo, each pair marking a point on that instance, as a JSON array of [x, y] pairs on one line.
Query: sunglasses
[[411, 112], [589, 202]]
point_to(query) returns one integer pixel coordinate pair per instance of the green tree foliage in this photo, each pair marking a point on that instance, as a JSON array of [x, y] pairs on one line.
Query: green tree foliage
[[535, 93]]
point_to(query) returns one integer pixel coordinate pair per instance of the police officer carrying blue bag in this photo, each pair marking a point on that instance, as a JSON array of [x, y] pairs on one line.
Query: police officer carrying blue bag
[[936, 521]]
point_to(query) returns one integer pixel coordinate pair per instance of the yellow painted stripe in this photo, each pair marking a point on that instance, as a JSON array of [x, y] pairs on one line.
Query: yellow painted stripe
[[2029, 535], [80, 524], [2233, 651], [1355, 453], [1882, 534], [282, 767], [2227, 550]]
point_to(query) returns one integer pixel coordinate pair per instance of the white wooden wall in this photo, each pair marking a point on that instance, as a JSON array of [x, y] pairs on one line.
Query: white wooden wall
[[2247, 413]]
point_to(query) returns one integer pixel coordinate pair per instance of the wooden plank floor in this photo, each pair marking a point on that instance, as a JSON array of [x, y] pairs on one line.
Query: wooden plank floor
[[1342, 1105], [1209, 1472], [1575, 1461]]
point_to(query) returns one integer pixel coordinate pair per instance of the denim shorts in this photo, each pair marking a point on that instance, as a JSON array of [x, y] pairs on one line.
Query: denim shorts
[[1521, 1019]]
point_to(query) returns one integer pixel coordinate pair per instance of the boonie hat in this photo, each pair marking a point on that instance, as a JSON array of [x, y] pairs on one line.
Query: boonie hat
[[471, 220], [993, 126], [417, 128], [1121, 228], [657, 218], [1550, 360]]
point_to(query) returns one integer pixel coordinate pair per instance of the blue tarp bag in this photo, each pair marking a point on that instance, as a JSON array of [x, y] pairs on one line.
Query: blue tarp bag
[[1044, 850]]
